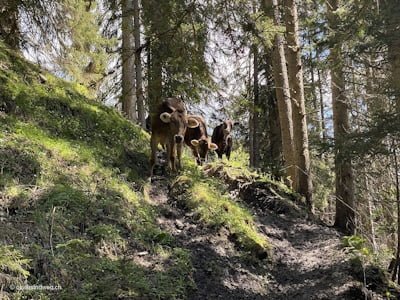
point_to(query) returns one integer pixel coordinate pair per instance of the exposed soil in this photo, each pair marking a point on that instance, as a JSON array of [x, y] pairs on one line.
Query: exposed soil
[[307, 263]]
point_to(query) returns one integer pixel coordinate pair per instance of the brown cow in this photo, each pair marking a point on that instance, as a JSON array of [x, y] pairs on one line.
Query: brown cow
[[168, 124], [223, 138], [198, 140]]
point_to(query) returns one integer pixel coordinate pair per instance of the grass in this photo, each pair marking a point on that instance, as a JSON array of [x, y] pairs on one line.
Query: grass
[[208, 197], [73, 207], [73, 213]]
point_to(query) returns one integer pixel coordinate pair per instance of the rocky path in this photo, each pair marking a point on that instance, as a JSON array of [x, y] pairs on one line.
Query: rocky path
[[308, 262]]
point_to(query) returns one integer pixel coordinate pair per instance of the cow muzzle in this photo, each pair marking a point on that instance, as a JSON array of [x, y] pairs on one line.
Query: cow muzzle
[[178, 138]]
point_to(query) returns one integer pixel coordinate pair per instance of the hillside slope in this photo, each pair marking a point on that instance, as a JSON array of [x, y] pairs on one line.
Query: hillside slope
[[72, 210], [75, 211], [80, 219]]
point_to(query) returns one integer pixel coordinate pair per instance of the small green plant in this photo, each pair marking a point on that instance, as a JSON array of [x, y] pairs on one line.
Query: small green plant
[[357, 245], [13, 263]]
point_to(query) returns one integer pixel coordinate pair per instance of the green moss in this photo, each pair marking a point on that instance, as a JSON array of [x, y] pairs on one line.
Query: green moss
[[72, 173], [208, 197], [219, 210]]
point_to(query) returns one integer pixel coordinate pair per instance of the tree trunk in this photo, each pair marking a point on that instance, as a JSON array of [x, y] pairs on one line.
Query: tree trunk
[[295, 73], [392, 11], [9, 27], [275, 137], [282, 92], [128, 97], [251, 138], [321, 103], [345, 215], [316, 108], [155, 78], [272, 155], [370, 213], [138, 66], [255, 119], [395, 265]]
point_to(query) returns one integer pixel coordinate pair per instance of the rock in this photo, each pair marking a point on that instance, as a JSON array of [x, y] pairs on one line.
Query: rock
[[179, 224], [42, 78]]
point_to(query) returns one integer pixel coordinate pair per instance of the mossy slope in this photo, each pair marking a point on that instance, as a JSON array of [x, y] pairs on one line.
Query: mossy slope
[[71, 208], [73, 211]]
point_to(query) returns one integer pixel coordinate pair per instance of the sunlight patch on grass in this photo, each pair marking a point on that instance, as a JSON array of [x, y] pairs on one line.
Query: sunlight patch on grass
[[219, 210]]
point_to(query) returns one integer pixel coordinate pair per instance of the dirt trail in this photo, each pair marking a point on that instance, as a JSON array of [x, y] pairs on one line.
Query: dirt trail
[[308, 262]]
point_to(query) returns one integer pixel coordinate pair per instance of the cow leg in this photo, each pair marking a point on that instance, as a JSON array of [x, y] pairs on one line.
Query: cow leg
[[196, 155], [228, 153], [229, 147], [153, 145], [171, 153], [169, 150], [179, 154]]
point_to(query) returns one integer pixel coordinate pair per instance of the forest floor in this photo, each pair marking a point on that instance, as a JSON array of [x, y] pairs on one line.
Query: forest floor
[[308, 260]]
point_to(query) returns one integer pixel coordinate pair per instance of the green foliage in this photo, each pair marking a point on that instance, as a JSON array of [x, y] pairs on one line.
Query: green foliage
[[13, 262], [356, 244], [178, 36], [75, 169], [85, 60], [323, 182], [208, 198]]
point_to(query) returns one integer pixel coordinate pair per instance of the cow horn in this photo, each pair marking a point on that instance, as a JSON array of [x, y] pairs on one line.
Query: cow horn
[[193, 123], [172, 108], [165, 117]]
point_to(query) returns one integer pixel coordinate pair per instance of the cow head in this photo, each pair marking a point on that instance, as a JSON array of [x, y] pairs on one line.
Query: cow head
[[203, 146], [227, 127], [178, 122]]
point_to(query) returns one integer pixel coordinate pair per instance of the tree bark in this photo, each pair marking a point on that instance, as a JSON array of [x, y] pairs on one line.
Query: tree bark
[[392, 12], [9, 27], [345, 214], [155, 83], [275, 137], [138, 66], [282, 92], [255, 118], [128, 96], [295, 74], [321, 103]]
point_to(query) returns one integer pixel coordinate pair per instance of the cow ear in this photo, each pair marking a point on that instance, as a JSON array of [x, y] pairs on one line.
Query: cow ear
[[213, 146], [193, 123], [194, 143], [165, 117]]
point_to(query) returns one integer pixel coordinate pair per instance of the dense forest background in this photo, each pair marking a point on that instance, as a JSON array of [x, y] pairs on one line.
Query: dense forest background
[[315, 86]]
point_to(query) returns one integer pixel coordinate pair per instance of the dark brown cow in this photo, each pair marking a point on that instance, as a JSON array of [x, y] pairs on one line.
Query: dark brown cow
[[168, 124], [198, 140], [223, 139]]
